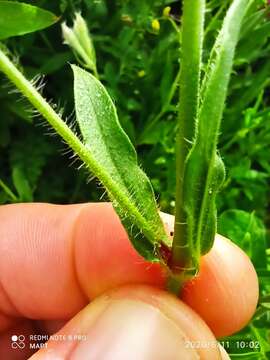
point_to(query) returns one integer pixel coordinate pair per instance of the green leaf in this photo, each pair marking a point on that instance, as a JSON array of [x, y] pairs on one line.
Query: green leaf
[[20, 18], [247, 231], [21, 184], [204, 170], [8, 191], [130, 191]]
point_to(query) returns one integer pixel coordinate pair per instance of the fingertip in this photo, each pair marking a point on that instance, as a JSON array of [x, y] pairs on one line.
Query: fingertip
[[136, 322], [225, 293]]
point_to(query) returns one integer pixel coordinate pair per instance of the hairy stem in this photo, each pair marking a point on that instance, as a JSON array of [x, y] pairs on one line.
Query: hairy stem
[[191, 54], [43, 107]]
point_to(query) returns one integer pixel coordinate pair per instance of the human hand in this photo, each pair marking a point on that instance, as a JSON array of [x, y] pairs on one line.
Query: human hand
[[54, 259]]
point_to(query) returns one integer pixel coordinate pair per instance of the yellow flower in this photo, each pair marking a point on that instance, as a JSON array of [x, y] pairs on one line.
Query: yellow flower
[[166, 11], [155, 25]]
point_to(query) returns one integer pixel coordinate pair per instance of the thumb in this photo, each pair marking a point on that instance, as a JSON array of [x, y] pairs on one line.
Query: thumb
[[137, 322]]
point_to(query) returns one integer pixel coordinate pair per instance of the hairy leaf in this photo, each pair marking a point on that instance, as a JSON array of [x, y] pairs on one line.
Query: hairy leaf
[[113, 152], [20, 18], [204, 170]]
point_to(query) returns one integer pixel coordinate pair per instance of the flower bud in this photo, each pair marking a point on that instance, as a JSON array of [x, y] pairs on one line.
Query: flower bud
[[155, 25], [166, 11], [79, 40]]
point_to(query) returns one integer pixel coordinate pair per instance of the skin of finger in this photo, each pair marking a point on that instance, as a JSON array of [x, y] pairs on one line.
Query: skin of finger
[[135, 322], [50, 327], [227, 280], [14, 352], [36, 243], [7, 322], [77, 252], [39, 243], [27, 328]]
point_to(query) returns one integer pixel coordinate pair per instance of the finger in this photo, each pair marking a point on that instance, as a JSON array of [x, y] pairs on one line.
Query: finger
[[225, 293], [136, 322], [37, 263], [60, 256]]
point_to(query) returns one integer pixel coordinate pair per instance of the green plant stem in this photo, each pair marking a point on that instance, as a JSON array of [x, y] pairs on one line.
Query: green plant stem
[[204, 170], [191, 54], [43, 107], [7, 190], [173, 23]]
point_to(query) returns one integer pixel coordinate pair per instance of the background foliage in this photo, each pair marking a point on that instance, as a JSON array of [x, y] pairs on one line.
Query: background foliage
[[138, 63]]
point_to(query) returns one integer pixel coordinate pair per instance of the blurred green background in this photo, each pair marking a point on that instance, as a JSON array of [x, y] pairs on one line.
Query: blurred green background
[[139, 65]]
